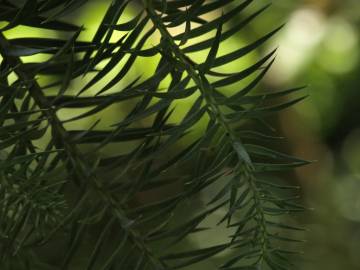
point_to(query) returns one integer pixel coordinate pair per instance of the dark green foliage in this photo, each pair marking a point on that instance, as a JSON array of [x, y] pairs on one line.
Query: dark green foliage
[[71, 198]]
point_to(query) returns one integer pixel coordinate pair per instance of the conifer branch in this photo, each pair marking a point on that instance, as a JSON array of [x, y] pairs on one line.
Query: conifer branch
[[78, 164]]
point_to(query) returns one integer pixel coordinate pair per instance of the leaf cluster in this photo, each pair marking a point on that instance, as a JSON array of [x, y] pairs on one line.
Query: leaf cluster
[[58, 188]]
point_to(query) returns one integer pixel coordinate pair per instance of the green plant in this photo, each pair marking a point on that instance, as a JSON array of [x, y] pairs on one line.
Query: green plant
[[60, 192]]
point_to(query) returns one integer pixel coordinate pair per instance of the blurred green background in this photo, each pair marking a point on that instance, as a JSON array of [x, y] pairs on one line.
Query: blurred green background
[[318, 47]]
